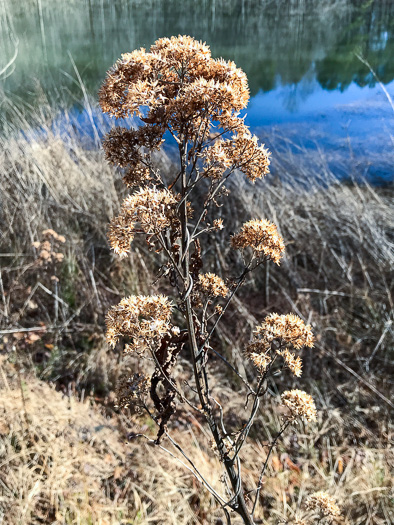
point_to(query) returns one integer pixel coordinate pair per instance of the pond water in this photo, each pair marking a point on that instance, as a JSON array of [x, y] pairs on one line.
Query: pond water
[[301, 58]]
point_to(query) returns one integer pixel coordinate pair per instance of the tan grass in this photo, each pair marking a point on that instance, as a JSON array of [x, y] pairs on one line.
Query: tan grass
[[64, 461]]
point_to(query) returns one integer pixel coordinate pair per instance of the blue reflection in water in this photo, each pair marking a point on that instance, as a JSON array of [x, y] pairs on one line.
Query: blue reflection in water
[[312, 97], [302, 119], [353, 128]]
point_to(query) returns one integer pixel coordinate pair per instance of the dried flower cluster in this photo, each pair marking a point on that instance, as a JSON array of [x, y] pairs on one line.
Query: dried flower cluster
[[175, 80], [178, 81], [324, 504], [129, 148], [260, 359], [148, 210], [176, 88], [48, 247], [275, 332], [263, 237], [288, 329], [240, 152], [212, 285], [300, 404], [144, 319], [293, 362]]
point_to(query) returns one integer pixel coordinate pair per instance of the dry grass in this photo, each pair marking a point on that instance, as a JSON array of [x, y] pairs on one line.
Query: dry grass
[[63, 461], [58, 457], [66, 461]]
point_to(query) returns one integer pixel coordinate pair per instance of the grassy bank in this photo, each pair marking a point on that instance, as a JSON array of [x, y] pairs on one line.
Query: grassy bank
[[58, 376]]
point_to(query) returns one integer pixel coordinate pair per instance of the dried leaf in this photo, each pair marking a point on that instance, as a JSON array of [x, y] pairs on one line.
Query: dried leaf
[[292, 466], [276, 464], [118, 472]]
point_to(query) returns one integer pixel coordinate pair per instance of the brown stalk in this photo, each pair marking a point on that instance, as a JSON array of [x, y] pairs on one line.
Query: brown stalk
[[199, 364]]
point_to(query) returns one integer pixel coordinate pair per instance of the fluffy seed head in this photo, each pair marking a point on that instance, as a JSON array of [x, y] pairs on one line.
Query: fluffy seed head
[[47, 248], [260, 360], [149, 209], [212, 285], [241, 152], [293, 362], [288, 329], [175, 82], [218, 224], [144, 319], [300, 404], [263, 237], [177, 76], [130, 388], [323, 503]]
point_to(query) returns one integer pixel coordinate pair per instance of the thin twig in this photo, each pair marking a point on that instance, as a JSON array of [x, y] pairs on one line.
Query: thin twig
[[259, 485]]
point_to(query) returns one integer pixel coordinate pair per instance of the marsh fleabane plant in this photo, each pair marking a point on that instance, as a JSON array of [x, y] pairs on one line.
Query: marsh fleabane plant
[[178, 91]]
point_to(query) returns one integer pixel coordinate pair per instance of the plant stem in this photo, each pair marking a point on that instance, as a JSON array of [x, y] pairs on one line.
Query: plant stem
[[197, 358], [260, 483]]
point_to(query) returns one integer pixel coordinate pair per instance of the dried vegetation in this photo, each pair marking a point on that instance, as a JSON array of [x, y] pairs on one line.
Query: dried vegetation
[[63, 446]]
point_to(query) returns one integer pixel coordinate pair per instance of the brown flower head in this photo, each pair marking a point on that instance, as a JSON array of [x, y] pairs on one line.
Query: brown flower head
[[130, 148], [212, 285], [240, 152], [218, 224], [149, 209], [259, 356], [293, 362], [288, 329], [136, 176], [144, 319], [324, 504], [176, 82], [160, 80], [122, 145], [48, 246], [55, 236], [300, 404], [263, 237]]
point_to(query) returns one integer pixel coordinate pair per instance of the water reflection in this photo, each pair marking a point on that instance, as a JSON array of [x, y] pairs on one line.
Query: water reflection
[[274, 41], [299, 55]]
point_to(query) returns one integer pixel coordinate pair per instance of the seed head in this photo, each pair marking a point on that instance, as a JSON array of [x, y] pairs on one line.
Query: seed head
[[293, 362], [300, 404], [130, 388], [55, 236], [218, 224], [263, 237], [323, 503], [212, 285], [47, 248], [287, 329], [149, 209], [240, 152], [176, 78], [144, 319], [259, 358]]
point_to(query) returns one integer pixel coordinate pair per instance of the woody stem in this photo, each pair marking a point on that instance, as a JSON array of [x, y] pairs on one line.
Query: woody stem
[[197, 358]]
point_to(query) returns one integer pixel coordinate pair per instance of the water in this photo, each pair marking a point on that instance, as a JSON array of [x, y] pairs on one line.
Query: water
[[306, 81]]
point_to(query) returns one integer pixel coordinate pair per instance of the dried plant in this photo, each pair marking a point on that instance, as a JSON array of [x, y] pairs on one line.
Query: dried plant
[[180, 93], [324, 505]]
